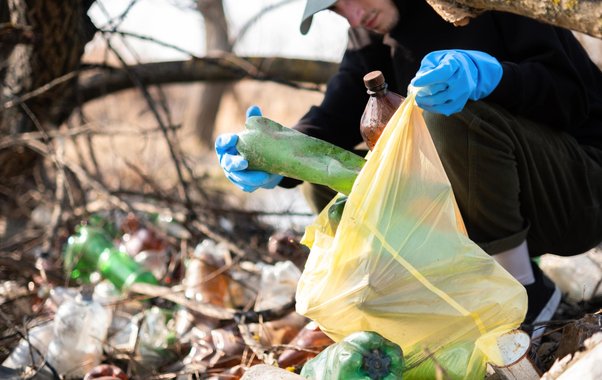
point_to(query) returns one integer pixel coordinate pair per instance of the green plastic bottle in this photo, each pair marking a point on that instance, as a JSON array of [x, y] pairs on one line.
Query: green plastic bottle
[[91, 250]]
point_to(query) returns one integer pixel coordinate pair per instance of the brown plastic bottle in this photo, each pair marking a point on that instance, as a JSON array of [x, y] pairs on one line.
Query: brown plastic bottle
[[381, 105], [307, 344]]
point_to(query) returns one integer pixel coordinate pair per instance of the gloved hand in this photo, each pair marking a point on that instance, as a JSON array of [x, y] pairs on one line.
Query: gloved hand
[[448, 78], [235, 166]]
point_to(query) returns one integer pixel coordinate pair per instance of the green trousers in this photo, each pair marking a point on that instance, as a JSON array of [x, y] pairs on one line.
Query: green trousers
[[514, 180]]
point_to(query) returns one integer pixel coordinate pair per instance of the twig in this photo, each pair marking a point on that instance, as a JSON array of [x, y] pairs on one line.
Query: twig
[[60, 165], [115, 22], [31, 346], [147, 179], [219, 238], [163, 127], [265, 355], [59, 195], [42, 149], [150, 39], [209, 310], [206, 309], [90, 146], [23, 138], [40, 90]]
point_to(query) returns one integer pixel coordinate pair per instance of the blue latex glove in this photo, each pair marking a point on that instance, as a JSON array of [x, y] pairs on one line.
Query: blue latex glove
[[448, 78], [235, 166]]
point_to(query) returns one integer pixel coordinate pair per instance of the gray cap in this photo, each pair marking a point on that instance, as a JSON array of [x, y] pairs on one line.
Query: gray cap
[[312, 7]]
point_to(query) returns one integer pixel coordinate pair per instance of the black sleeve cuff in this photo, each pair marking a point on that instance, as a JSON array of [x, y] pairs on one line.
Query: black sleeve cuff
[[289, 183]]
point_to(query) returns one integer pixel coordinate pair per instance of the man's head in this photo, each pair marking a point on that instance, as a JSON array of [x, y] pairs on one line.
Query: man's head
[[379, 16]]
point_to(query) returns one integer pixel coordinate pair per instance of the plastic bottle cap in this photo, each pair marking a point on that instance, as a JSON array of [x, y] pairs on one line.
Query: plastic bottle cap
[[373, 80], [85, 294]]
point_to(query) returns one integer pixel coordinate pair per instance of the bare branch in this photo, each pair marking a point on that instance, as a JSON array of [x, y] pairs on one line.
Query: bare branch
[[141, 85], [281, 70]]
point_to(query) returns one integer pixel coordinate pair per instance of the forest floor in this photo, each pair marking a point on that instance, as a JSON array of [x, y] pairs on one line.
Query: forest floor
[[208, 317]]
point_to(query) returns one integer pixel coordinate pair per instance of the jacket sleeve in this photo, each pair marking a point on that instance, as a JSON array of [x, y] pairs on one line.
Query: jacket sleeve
[[542, 77]]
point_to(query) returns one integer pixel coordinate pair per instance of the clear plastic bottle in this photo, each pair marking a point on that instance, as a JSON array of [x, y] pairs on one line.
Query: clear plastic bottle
[[39, 337], [80, 328], [154, 338], [381, 105]]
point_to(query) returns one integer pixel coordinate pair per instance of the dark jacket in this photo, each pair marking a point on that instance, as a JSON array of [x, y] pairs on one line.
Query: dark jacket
[[548, 77]]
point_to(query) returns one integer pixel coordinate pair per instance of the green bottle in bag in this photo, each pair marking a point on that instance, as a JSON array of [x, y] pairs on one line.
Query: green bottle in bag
[[91, 250]]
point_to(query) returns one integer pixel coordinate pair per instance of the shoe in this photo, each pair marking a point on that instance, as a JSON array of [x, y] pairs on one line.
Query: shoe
[[543, 300]]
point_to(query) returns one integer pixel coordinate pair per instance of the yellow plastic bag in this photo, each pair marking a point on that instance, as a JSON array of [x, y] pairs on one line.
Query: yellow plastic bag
[[401, 264]]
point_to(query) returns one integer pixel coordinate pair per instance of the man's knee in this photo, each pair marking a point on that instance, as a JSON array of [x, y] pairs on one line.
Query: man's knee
[[450, 135]]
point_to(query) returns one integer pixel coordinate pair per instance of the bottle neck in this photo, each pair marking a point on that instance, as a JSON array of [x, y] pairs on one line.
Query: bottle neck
[[378, 91]]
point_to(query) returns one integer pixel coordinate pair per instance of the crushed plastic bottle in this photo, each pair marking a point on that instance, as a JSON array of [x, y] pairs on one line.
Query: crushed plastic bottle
[[244, 284], [80, 328], [278, 285], [202, 280], [155, 337], [123, 332]]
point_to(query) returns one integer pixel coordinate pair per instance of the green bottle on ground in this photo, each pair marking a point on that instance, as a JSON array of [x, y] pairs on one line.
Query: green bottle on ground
[[91, 250]]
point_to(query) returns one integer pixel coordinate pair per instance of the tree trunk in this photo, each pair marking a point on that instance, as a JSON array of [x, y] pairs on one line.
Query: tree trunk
[[579, 15], [60, 30], [202, 110]]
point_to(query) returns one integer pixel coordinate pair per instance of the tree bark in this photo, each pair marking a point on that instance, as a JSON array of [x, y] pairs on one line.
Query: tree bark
[[60, 30], [202, 110], [584, 16]]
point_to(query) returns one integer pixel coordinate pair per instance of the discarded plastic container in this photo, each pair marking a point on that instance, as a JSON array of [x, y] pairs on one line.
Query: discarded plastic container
[[105, 223], [80, 328], [202, 280], [244, 284], [170, 226], [381, 105], [142, 239], [154, 337], [59, 295], [279, 331], [91, 250], [106, 372], [361, 355], [278, 285], [39, 337], [307, 344], [107, 294], [123, 331], [156, 261], [579, 277]]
